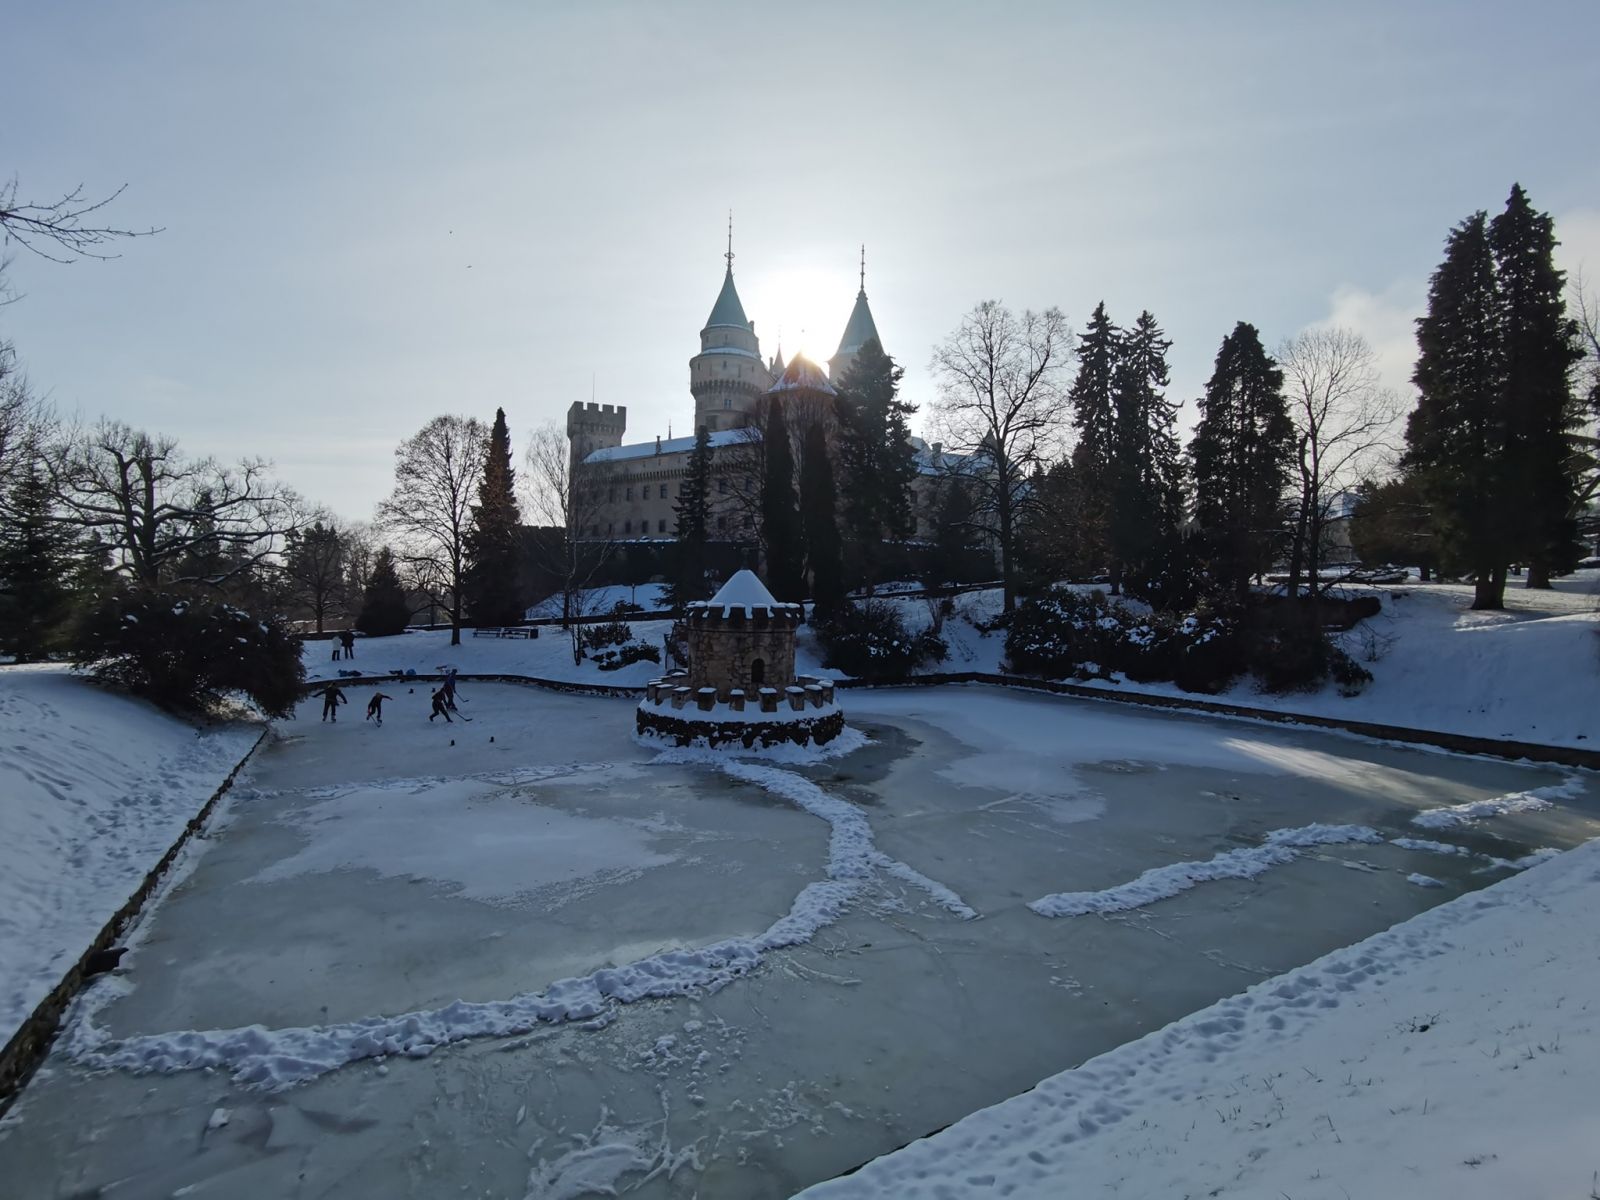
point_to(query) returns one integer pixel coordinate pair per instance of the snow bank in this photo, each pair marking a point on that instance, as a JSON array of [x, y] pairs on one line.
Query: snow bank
[[94, 788], [1162, 883], [1457, 815], [1448, 1058]]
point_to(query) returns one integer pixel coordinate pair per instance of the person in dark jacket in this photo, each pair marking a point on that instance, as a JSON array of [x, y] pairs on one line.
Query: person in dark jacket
[[347, 639], [440, 707], [332, 697], [375, 708]]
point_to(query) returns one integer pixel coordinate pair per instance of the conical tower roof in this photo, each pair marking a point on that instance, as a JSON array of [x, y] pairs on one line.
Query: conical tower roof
[[727, 310], [860, 329]]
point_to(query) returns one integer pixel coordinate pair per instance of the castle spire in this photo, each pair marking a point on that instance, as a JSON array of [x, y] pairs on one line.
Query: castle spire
[[729, 254], [863, 265]]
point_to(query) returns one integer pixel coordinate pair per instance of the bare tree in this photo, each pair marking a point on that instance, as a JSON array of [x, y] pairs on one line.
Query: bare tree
[[558, 497], [169, 519], [68, 226], [1002, 408], [1345, 424], [435, 483]]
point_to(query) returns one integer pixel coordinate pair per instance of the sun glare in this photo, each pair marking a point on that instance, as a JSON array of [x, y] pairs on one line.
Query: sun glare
[[801, 309]]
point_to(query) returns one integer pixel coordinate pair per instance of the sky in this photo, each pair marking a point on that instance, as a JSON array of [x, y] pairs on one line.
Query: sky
[[375, 213]]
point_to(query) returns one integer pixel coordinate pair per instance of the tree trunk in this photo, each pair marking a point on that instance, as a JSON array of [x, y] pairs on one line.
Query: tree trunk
[[1489, 589], [1427, 573], [1538, 575]]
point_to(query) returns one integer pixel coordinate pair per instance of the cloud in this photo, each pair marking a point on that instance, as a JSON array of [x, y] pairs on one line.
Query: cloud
[[1387, 319]]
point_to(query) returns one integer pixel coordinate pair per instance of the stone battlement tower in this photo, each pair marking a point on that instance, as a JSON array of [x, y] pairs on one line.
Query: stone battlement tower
[[592, 427]]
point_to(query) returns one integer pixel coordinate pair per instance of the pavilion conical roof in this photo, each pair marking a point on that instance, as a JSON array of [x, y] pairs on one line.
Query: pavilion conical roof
[[802, 374]]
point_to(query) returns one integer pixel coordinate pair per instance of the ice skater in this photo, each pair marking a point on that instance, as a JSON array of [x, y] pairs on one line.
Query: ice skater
[[450, 687], [440, 708], [375, 708], [332, 697]]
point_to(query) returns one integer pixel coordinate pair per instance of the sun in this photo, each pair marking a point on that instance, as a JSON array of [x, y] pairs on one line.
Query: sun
[[801, 309]]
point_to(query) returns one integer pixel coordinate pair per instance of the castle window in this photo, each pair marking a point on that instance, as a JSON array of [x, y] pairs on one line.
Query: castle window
[[722, 487], [663, 491], [627, 527], [758, 672], [727, 402], [630, 492], [661, 525]]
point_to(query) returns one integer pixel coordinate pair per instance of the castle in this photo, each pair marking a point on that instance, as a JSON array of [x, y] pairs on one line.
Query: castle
[[633, 487]]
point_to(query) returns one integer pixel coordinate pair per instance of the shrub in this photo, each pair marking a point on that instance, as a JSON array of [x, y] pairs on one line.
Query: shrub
[[187, 655], [606, 633], [870, 641], [612, 660]]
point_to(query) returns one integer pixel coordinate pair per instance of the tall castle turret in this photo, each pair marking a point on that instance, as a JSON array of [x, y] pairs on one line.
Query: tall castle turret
[[593, 427], [858, 331], [728, 376]]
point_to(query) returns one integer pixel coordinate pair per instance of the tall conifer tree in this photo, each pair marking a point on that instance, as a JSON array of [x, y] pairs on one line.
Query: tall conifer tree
[[1094, 417], [692, 526], [819, 521], [490, 579], [36, 561], [876, 459], [1540, 348], [1146, 466], [780, 517], [1241, 461], [384, 610], [1457, 438]]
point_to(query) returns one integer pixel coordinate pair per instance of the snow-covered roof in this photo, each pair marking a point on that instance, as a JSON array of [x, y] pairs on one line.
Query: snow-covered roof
[[727, 310], [744, 591], [802, 373], [682, 445], [860, 329]]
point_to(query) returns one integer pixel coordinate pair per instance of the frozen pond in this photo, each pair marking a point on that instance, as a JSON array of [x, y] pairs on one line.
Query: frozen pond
[[882, 959]]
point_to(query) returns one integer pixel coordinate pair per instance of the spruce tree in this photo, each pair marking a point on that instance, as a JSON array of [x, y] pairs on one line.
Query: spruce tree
[[1146, 466], [819, 521], [1457, 438], [1540, 347], [384, 609], [1094, 417], [780, 518], [1241, 461], [692, 527], [490, 579], [877, 463], [36, 561]]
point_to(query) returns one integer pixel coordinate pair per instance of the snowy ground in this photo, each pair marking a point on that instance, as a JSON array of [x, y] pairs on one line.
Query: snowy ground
[[94, 788], [556, 964]]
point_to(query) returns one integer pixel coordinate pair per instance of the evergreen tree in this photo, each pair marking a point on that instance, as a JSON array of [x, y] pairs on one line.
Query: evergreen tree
[[313, 566], [1241, 460], [954, 553], [692, 526], [1392, 525], [36, 562], [876, 459], [819, 521], [490, 579], [780, 518], [1457, 438], [384, 609], [1539, 348], [1093, 399], [1146, 466]]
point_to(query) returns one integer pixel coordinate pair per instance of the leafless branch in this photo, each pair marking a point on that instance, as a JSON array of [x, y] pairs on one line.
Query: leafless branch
[[68, 225]]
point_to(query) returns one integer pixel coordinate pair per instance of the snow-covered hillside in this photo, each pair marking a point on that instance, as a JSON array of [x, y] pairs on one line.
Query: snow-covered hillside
[[94, 789]]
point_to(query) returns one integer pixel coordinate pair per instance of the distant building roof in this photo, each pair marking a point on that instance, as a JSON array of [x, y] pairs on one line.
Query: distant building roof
[[720, 437], [802, 374], [727, 310]]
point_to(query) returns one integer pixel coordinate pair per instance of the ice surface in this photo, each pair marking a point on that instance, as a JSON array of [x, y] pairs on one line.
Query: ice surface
[[806, 983]]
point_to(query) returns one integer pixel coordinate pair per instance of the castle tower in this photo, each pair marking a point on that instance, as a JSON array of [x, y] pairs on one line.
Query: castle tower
[[593, 427], [858, 331], [728, 376]]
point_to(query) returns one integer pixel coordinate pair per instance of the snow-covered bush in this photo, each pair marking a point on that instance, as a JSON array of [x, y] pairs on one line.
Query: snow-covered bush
[[870, 641], [613, 660], [607, 633], [185, 654]]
